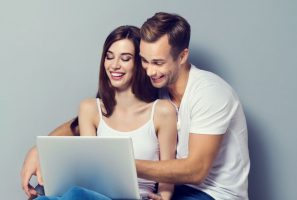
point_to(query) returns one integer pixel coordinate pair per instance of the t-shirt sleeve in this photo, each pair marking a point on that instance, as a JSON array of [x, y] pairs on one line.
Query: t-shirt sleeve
[[212, 110]]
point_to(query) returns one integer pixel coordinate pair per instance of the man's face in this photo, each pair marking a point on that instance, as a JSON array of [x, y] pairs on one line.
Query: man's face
[[159, 63]]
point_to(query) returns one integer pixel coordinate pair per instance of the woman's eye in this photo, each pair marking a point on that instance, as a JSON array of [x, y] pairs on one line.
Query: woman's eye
[[109, 57], [126, 58]]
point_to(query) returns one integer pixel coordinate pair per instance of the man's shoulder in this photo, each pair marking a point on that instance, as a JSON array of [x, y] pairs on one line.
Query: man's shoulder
[[202, 79], [207, 87]]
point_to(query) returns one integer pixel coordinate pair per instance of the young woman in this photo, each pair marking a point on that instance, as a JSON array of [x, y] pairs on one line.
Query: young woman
[[126, 105]]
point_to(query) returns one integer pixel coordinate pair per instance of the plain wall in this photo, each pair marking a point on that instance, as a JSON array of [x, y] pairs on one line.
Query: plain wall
[[49, 57]]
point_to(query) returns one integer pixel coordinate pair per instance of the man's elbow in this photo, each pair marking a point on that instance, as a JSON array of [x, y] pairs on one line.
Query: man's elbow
[[197, 176], [196, 179]]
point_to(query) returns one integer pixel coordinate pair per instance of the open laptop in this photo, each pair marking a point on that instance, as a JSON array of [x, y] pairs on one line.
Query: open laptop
[[102, 164]]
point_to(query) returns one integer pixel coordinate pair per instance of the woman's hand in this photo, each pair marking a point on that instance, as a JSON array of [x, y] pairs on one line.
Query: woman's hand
[[31, 167]]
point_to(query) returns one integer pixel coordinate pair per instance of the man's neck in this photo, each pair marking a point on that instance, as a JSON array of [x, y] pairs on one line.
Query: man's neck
[[177, 89]]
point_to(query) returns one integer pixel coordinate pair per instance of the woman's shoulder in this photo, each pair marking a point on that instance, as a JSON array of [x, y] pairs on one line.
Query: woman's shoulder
[[164, 108], [165, 115], [88, 112], [88, 104]]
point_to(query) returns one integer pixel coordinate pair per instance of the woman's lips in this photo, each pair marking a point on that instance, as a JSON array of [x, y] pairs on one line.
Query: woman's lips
[[117, 75]]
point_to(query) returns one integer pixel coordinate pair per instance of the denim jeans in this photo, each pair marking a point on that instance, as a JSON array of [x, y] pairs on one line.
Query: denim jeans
[[184, 192], [76, 193], [181, 192]]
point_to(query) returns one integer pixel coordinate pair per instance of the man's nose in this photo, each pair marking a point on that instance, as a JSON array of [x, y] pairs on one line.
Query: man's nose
[[151, 70]]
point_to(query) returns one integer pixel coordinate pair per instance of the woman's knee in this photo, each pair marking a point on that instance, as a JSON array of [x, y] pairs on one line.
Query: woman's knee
[[74, 192], [78, 193]]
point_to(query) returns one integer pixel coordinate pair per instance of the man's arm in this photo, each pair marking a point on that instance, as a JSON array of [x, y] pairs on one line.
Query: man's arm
[[31, 162], [64, 130], [203, 149]]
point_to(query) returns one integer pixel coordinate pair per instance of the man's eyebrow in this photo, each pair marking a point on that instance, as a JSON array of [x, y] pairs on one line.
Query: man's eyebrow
[[158, 60], [153, 60]]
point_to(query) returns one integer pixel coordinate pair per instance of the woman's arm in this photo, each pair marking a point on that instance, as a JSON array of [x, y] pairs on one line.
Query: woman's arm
[[88, 117], [31, 163], [165, 121]]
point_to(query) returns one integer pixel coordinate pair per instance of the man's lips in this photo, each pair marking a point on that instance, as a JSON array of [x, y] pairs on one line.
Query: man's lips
[[157, 79]]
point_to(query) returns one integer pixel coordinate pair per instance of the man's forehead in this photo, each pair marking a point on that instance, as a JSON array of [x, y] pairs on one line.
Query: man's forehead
[[154, 50]]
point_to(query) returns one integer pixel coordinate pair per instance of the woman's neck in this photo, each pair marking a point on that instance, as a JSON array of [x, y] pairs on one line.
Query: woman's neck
[[125, 98]]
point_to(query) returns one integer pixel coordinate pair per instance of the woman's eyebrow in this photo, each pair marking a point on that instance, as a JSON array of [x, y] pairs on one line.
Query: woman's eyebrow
[[127, 54]]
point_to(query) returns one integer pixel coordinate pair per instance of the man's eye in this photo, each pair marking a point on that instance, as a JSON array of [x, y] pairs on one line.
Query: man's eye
[[159, 63]]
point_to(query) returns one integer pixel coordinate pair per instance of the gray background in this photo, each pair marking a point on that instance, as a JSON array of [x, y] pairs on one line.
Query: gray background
[[49, 55]]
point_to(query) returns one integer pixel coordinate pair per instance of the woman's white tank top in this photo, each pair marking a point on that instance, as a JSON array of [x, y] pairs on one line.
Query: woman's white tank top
[[145, 143]]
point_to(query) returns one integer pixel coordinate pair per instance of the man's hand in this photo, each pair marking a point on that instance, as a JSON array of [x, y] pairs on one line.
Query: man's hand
[[152, 196], [31, 167]]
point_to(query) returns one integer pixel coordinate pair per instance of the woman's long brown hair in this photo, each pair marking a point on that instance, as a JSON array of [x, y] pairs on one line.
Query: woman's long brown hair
[[141, 85]]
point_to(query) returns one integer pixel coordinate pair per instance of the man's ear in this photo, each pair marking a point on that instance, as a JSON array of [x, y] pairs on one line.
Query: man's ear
[[183, 56]]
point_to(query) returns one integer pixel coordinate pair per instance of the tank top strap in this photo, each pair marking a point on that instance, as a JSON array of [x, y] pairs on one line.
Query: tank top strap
[[99, 108], [153, 109]]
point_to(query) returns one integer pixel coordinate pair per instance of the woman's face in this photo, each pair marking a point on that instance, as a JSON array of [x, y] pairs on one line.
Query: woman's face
[[119, 63]]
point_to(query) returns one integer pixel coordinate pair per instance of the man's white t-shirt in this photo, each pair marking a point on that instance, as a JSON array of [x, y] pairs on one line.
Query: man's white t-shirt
[[210, 106]]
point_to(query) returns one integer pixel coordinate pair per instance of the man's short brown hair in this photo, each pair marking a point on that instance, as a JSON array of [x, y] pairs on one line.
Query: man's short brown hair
[[174, 26]]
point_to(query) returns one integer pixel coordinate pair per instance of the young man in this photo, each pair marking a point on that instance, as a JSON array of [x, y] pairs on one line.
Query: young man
[[212, 153]]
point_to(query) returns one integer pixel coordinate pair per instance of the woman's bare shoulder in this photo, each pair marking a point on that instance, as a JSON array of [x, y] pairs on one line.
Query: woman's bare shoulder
[[88, 104], [165, 108]]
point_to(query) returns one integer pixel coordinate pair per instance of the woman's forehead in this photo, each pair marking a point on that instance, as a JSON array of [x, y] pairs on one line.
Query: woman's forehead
[[120, 46]]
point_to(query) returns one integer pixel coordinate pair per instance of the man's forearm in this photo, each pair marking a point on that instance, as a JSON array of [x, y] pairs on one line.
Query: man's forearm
[[63, 130], [177, 171]]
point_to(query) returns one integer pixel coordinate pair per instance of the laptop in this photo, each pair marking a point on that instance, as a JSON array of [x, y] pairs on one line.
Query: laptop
[[102, 164]]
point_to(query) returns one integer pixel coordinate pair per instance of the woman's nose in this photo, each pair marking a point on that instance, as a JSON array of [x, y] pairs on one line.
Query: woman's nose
[[115, 64]]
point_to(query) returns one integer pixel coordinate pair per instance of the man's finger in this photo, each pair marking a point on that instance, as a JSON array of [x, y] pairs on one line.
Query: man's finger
[[155, 196]]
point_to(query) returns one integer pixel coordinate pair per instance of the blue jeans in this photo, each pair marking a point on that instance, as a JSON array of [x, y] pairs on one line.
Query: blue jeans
[[184, 192], [76, 193], [181, 192]]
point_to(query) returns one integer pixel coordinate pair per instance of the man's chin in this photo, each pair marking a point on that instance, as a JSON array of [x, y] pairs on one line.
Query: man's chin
[[159, 85]]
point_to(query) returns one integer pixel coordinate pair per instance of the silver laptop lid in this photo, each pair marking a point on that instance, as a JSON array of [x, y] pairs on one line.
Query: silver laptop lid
[[102, 164]]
